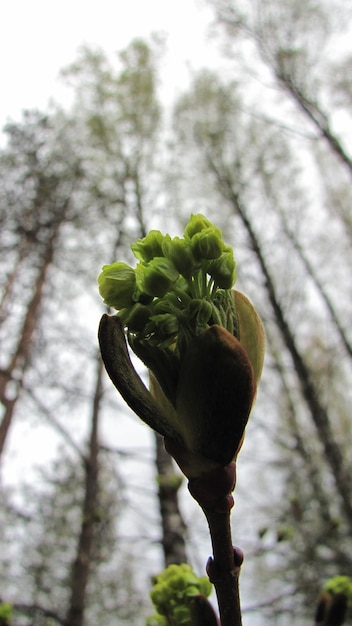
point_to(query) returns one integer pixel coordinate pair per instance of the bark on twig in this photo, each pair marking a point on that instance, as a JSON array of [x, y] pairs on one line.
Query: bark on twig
[[224, 568], [213, 492]]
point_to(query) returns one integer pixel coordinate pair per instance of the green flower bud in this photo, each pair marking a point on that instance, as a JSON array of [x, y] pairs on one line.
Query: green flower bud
[[205, 586], [5, 614], [179, 251], [202, 342], [181, 616], [174, 592], [207, 244], [192, 590], [223, 270], [335, 601], [340, 584], [157, 596], [166, 323], [158, 276], [138, 317], [201, 310], [148, 247], [164, 305], [117, 283], [196, 224]]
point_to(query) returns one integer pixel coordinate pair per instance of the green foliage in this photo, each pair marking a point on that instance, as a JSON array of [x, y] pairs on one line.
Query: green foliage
[[335, 602], [5, 614], [340, 585], [173, 590]]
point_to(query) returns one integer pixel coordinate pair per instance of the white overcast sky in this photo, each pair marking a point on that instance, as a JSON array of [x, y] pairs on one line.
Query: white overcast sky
[[39, 37]]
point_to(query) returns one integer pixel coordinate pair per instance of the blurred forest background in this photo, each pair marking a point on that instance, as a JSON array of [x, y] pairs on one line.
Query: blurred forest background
[[91, 508]]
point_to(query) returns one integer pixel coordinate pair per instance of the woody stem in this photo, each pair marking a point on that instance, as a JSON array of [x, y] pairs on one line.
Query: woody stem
[[224, 568]]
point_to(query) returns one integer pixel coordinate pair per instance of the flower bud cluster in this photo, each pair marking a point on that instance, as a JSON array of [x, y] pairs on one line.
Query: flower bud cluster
[[202, 341], [178, 287], [334, 604], [173, 590]]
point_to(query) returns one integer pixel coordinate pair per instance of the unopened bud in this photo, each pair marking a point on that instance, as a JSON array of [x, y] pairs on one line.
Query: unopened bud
[[199, 309], [223, 270], [138, 317], [207, 244], [157, 277], [195, 224], [148, 247], [179, 251], [117, 283], [215, 393]]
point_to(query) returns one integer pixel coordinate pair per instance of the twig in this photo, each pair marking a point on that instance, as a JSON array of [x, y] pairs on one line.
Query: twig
[[213, 491], [224, 569]]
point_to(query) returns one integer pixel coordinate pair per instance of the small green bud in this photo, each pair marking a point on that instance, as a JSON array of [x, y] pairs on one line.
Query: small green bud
[[205, 586], [181, 616], [179, 251], [207, 244], [138, 317], [117, 283], [340, 584], [148, 247], [5, 614], [192, 590], [196, 224], [164, 305], [166, 323], [223, 270], [157, 596], [174, 592], [199, 309], [158, 276], [335, 601]]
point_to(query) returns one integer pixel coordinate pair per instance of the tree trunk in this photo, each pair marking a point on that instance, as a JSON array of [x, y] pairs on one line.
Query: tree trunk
[[173, 526], [22, 249], [319, 119], [323, 294], [11, 377], [82, 562]]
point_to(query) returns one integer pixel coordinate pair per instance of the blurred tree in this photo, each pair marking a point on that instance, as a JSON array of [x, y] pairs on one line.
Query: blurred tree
[[264, 197], [272, 167], [39, 175], [122, 116], [295, 41], [52, 545], [78, 187]]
